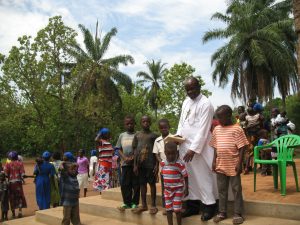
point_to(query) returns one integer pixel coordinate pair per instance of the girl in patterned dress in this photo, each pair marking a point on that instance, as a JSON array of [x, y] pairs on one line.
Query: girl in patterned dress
[[103, 176]]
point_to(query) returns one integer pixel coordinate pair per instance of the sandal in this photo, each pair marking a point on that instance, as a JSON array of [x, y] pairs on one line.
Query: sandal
[[237, 219], [139, 210], [153, 210], [219, 217]]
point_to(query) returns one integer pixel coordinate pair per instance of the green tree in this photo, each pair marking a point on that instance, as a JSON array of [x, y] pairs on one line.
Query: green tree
[[153, 77], [34, 73], [172, 92], [260, 52], [97, 73]]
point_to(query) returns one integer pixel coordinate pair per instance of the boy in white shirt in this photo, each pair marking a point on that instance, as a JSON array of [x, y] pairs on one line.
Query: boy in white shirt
[[159, 150]]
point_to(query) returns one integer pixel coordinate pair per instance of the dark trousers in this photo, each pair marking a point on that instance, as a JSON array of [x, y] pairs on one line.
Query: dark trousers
[[130, 186], [223, 184], [71, 214]]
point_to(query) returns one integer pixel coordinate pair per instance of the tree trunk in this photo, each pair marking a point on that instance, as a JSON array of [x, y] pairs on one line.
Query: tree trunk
[[296, 11]]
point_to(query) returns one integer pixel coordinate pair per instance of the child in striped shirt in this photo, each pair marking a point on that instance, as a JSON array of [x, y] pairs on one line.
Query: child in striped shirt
[[229, 142], [175, 180]]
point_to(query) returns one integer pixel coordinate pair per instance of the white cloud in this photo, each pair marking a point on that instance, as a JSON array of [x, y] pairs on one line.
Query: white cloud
[[19, 18], [174, 15], [163, 28]]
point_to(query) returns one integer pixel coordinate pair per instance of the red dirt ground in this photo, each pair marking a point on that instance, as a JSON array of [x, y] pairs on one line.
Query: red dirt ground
[[265, 191]]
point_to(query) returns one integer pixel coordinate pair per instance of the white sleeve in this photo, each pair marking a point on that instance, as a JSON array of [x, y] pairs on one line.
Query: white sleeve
[[200, 141], [155, 147]]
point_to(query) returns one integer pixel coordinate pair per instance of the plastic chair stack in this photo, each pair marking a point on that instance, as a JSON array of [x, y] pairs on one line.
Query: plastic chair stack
[[285, 146]]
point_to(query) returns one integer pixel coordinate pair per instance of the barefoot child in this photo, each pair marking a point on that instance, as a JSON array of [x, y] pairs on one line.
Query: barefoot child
[[159, 150], [175, 181], [229, 142], [130, 186], [144, 164]]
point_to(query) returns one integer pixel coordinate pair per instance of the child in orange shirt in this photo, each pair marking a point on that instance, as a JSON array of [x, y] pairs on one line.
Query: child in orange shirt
[[229, 142]]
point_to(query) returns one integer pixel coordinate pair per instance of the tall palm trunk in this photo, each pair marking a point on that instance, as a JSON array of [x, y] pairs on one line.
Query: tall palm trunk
[[296, 10]]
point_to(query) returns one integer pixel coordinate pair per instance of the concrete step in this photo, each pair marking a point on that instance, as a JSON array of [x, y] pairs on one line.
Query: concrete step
[[255, 208], [98, 206], [54, 216], [30, 220]]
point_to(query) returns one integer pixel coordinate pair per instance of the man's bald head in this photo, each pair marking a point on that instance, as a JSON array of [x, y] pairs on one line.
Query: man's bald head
[[192, 87]]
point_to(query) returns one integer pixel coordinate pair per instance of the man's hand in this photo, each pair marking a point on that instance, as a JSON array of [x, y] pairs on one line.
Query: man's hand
[[189, 156], [238, 169]]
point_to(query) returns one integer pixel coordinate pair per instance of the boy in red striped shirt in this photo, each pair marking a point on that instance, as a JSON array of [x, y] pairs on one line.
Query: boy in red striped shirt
[[175, 181], [229, 143]]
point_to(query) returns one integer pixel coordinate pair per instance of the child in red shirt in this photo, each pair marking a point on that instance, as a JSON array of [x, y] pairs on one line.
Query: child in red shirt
[[175, 181]]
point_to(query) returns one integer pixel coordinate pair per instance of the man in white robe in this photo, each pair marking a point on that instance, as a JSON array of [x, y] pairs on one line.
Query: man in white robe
[[194, 125]]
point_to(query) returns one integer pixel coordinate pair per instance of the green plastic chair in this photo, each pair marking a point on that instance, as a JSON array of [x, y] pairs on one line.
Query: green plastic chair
[[285, 152]]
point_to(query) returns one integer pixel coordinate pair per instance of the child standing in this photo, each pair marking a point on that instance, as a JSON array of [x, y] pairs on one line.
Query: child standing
[[229, 142], [103, 177], [144, 164], [69, 187], [130, 186], [83, 171], [3, 197], [159, 150], [175, 180]]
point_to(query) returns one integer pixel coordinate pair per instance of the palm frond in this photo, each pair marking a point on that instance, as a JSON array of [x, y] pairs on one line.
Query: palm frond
[[89, 42], [106, 41]]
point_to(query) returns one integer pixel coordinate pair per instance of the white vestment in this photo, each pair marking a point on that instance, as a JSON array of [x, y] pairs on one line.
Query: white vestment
[[194, 125]]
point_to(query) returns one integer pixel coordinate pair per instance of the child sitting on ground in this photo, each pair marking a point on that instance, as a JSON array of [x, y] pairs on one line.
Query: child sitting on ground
[[159, 150], [229, 142], [265, 154], [69, 187], [3, 196], [144, 164], [175, 180]]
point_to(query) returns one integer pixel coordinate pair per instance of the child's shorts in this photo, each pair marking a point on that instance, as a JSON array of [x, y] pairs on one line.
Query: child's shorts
[[173, 199], [146, 175]]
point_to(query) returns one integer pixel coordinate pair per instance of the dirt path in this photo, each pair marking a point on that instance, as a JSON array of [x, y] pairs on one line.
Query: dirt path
[[29, 190], [265, 191]]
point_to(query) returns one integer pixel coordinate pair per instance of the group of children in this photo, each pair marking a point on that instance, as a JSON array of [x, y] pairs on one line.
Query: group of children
[[145, 157], [260, 131], [142, 154]]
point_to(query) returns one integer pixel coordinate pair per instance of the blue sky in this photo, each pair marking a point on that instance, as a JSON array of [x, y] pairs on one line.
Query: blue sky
[[169, 30]]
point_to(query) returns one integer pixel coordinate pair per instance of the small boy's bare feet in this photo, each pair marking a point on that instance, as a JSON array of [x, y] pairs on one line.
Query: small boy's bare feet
[[139, 210]]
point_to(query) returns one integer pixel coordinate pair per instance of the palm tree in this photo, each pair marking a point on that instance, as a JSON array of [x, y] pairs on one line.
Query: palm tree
[[260, 51], [156, 71], [100, 74], [296, 11]]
